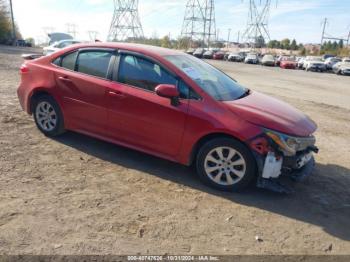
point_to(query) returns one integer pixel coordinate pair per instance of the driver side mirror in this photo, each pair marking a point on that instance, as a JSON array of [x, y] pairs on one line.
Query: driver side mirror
[[168, 91]]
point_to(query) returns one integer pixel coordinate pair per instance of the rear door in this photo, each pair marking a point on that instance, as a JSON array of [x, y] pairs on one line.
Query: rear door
[[82, 84]]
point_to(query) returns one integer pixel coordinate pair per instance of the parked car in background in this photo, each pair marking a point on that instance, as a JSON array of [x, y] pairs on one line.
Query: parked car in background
[[288, 63], [171, 105], [314, 63], [251, 59], [22, 42], [59, 45], [342, 68], [279, 59], [208, 54], [235, 57], [199, 52], [190, 51], [346, 60], [326, 56], [268, 60], [331, 61], [300, 63], [219, 55]]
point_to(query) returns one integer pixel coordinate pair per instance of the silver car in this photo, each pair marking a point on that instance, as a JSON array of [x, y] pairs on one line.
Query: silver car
[[59, 45]]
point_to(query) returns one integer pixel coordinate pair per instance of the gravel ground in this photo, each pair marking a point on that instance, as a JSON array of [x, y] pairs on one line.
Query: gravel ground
[[79, 195]]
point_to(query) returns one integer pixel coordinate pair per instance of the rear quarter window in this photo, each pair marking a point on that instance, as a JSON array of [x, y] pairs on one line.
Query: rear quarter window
[[68, 61]]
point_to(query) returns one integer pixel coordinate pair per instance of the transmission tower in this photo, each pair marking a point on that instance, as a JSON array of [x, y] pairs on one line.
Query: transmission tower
[[126, 21], [257, 31], [72, 29], [199, 22], [93, 35]]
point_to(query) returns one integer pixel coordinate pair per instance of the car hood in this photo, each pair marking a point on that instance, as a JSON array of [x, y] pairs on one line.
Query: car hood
[[272, 113]]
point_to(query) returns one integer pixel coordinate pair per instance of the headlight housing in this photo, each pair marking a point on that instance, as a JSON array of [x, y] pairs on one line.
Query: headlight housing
[[290, 145]]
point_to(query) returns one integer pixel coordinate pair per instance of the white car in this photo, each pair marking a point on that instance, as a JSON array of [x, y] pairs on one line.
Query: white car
[[59, 45], [268, 60], [251, 59], [342, 68], [314, 63], [331, 61]]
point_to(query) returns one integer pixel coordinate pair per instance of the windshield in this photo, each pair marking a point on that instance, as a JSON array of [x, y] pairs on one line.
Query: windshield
[[269, 57], [212, 81]]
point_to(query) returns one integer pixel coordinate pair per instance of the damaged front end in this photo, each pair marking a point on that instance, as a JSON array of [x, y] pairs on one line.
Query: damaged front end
[[278, 154]]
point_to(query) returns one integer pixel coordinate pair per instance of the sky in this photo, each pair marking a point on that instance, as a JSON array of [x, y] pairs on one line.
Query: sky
[[299, 19]]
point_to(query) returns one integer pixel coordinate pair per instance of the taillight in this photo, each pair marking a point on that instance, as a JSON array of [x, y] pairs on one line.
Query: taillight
[[24, 69]]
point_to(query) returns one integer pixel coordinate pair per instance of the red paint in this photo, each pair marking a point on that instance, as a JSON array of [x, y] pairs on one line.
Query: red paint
[[168, 91], [148, 122]]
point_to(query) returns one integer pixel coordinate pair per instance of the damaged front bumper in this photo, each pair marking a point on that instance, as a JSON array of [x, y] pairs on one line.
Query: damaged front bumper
[[274, 184], [273, 164]]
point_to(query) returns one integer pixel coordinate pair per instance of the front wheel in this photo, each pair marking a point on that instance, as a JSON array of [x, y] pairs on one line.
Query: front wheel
[[48, 116], [226, 164]]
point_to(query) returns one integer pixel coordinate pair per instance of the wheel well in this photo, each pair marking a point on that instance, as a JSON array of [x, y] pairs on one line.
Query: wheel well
[[35, 96], [204, 140]]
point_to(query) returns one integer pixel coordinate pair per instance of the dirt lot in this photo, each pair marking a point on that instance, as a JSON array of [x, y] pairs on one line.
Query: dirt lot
[[78, 195]]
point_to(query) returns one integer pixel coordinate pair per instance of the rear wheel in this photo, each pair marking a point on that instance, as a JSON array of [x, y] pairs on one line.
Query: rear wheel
[[226, 164], [48, 116]]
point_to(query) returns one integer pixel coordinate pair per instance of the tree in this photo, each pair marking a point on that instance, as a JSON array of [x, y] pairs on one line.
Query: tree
[[285, 43], [293, 45], [31, 41], [165, 42], [341, 43], [6, 26]]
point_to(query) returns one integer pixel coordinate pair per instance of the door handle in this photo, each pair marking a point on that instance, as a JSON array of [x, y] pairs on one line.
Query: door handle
[[116, 94], [64, 78]]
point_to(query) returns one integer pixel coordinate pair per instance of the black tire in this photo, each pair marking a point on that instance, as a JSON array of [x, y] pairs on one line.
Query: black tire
[[250, 169], [58, 128]]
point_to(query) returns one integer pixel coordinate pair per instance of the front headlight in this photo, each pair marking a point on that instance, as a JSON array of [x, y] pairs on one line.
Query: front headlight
[[290, 145]]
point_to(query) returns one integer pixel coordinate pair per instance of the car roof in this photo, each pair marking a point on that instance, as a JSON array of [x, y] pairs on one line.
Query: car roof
[[154, 51]]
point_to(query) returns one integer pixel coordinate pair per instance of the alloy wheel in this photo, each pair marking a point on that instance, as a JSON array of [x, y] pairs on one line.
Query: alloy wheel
[[225, 166], [46, 116]]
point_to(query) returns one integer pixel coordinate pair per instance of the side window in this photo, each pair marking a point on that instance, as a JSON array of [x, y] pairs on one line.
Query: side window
[[68, 61], [143, 73], [94, 63], [57, 61], [187, 92]]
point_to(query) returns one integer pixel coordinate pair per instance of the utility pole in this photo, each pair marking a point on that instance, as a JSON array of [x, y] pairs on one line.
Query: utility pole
[[228, 38], [13, 25], [324, 30], [238, 35]]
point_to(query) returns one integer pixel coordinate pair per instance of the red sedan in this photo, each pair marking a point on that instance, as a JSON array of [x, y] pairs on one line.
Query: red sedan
[[171, 105], [288, 63], [219, 55]]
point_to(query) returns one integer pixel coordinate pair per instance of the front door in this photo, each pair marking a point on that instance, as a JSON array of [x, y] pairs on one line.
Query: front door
[[137, 115]]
